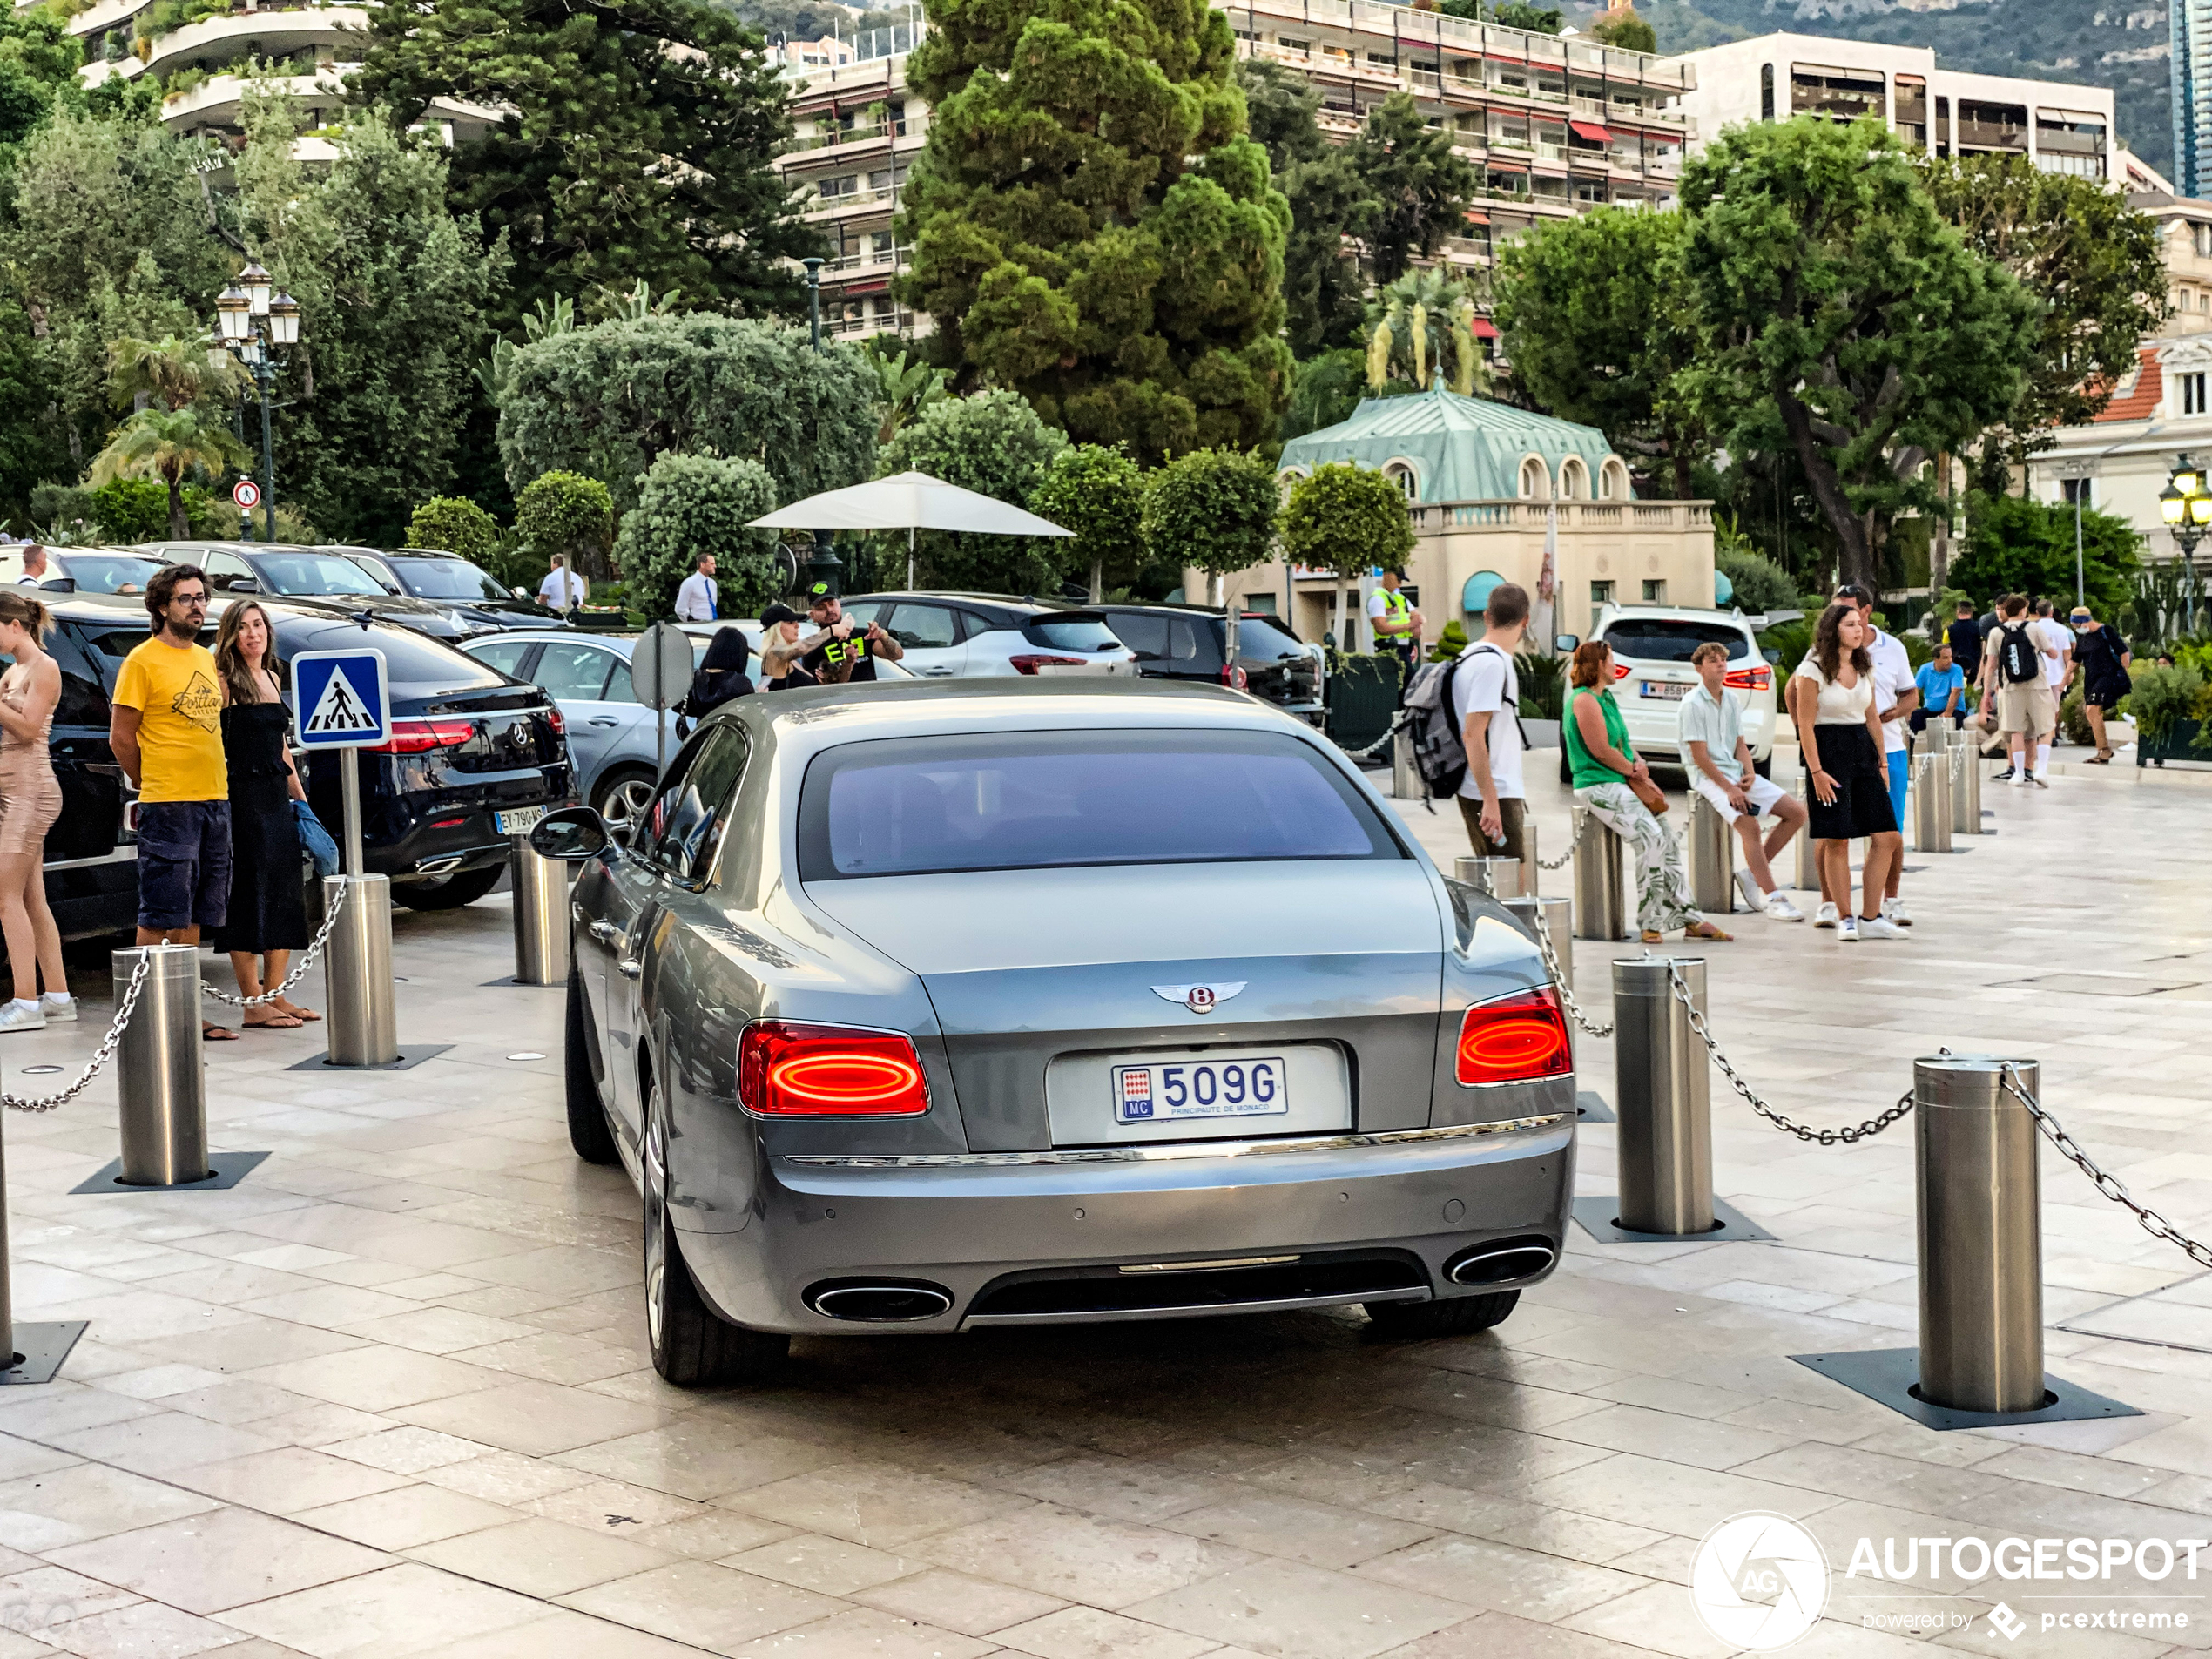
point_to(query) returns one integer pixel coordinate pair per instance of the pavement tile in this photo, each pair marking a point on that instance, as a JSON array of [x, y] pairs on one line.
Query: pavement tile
[[1077, 1557], [957, 1601], [285, 1481], [404, 1516], [88, 1501], [1089, 1633], [222, 1560], [539, 1557], [711, 1607], [831, 1565], [396, 1613], [1300, 1612]]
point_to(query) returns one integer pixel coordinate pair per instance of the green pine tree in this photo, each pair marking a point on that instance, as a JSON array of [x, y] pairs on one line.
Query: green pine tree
[[1093, 226]]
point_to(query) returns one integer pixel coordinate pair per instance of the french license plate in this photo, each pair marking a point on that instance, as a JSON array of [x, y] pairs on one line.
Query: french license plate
[[1672, 691], [515, 822], [1242, 1086]]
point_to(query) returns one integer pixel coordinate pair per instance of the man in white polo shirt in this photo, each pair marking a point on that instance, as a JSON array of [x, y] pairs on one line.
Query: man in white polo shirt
[[1721, 771], [1896, 695]]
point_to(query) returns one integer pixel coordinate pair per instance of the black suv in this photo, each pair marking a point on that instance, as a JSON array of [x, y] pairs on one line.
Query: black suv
[[467, 743], [1191, 643], [328, 577], [472, 593]]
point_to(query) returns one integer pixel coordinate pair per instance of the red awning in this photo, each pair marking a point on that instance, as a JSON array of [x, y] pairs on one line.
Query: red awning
[[1484, 329], [1474, 218], [1591, 131]]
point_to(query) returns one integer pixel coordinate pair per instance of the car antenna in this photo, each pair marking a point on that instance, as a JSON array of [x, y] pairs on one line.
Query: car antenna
[[364, 618]]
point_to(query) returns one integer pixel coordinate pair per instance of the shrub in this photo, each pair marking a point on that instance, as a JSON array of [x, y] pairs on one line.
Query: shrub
[[565, 512], [688, 505], [1760, 583], [2162, 696], [129, 510], [453, 525], [1216, 509], [1449, 644], [1543, 679]]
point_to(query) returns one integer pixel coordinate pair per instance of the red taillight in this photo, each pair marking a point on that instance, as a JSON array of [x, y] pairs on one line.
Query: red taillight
[[420, 737], [555, 719], [450, 822], [1031, 664], [1620, 671], [787, 1069], [1747, 679], [1235, 678], [1515, 1039]]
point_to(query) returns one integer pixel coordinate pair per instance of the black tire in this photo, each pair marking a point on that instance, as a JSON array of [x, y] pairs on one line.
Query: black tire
[[1566, 772], [1764, 768], [447, 892], [692, 1346], [1454, 1318], [590, 1134]]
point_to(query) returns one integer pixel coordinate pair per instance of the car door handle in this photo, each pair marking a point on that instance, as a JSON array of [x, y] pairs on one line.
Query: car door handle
[[602, 719], [605, 931], [937, 673], [629, 969]]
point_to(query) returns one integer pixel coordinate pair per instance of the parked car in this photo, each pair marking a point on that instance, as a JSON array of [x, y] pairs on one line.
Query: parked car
[[470, 591], [1651, 675], [474, 757], [85, 570], [950, 635], [1192, 642], [903, 1019], [323, 576]]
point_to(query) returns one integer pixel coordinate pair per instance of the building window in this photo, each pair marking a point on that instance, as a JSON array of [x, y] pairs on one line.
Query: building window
[[2201, 235], [1601, 596], [1474, 598], [1573, 481], [1766, 91], [1535, 482], [1655, 593], [2073, 491], [1943, 126], [2192, 393], [1404, 478], [1613, 482]]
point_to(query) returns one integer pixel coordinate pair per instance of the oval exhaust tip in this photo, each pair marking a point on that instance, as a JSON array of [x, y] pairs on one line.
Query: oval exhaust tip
[[879, 1304], [1498, 1265]]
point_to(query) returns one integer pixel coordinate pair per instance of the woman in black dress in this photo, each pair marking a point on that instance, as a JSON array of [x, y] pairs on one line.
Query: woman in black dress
[[721, 674], [268, 918]]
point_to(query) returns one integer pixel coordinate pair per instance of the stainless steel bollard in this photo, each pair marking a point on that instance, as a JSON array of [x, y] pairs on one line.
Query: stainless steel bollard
[[1661, 1075], [1808, 864], [1979, 1201], [1552, 916], [1600, 891], [161, 1083], [1500, 878], [541, 915], [1965, 786], [10, 1356], [1931, 804], [1712, 858], [1405, 781], [357, 972], [1531, 871]]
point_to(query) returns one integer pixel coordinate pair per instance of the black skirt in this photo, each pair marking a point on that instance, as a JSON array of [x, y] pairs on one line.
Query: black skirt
[[268, 904], [1862, 803]]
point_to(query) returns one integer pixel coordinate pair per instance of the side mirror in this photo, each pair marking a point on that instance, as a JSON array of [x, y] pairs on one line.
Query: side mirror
[[570, 833], [1772, 654], [520, 593], [1564, 642], [58, 585], [242, 585]]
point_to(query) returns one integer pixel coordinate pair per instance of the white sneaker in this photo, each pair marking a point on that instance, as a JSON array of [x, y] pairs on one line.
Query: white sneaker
[[16, 1017], [2039, 780], [1753, 898], [1825, 917], [2020, 779], [1893, 913], [1778, 907], [1878, 928], [1847, 931], [57, 1010]]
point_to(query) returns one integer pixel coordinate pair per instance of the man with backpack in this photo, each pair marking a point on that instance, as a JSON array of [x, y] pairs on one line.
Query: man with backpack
[[1485, 706], [2014, 669]]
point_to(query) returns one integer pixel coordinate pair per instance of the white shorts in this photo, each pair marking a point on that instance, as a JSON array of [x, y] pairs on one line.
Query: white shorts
[[1762, 793]]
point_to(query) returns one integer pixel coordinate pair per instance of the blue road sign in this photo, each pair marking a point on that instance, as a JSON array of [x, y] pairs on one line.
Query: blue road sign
[[341, 698]]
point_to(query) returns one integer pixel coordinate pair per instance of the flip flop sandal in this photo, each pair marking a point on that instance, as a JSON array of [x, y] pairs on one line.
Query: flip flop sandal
[[285, 1022], [1705, 930], [210, 1032]]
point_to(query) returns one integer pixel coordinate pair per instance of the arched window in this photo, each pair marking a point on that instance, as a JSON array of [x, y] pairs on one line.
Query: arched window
[[1402, 474], [1574, 480], [1474, 598], [1613, 482], [1535, 481]]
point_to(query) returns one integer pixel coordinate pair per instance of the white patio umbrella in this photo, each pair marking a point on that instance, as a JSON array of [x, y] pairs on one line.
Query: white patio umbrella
[[908, 501]]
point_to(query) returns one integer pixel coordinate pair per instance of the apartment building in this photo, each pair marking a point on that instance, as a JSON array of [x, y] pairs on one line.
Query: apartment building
[[2057, 126], [2190, 66]]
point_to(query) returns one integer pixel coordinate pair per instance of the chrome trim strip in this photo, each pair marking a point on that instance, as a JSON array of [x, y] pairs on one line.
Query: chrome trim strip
[[1200, 1310], [122, 854], [1172, 1153]]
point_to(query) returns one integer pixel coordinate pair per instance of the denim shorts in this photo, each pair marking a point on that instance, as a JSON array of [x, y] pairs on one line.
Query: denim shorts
[[184, 863]]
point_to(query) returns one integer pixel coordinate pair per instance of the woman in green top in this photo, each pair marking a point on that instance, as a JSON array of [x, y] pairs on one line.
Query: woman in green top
[[1603, 761]]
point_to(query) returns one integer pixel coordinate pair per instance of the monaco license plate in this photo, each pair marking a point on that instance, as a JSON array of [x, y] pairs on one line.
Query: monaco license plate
[[1217, 1086], [520, 819], [1673, 691]]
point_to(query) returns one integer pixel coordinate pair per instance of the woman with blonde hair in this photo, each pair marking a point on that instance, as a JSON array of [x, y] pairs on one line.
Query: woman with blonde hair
[[1611, 782], [267, 917], [30, 802]]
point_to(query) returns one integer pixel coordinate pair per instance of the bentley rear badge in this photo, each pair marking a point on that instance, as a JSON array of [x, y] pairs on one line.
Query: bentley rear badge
[[1199, 998]]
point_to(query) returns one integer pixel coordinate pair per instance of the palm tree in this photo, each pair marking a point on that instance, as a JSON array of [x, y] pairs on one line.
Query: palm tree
[[1422, 330], [168, 444], [172, 372]]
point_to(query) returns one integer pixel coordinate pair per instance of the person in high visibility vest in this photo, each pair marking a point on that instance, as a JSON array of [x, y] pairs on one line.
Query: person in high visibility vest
[[1395, 625]]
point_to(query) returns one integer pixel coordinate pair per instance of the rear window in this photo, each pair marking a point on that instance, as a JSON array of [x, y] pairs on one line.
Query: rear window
[[1055, 799], [1266, 639], [1071, 633], [1667, 639]]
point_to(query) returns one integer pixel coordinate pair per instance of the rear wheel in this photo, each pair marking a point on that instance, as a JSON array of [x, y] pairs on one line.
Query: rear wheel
[[589, 1132], [621, 800], [449, 891], [1455, 1318], [691, 1344]]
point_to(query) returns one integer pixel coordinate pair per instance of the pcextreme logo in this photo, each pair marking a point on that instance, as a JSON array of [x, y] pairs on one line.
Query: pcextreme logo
[[1759, 1580]]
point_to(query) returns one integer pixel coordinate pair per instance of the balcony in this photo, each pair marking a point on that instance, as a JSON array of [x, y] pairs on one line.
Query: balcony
[[1529, 515], [267, 31], [878, 200], [853, 136], [869, 262]]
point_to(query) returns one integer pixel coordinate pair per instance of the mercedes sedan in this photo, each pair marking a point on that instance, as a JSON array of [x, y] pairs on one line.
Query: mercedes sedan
[[933, 1007]]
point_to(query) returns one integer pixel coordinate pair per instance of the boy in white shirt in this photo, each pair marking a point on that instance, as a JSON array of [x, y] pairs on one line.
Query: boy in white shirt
[[1720, 770], [2056, 640], [1485, 694]]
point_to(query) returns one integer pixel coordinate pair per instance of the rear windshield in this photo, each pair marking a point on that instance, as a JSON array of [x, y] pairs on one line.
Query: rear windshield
[[1667, 639], [110, 572], [447, 579], [1266, 640], [312, 573], [1053, 800], [1071, 633]]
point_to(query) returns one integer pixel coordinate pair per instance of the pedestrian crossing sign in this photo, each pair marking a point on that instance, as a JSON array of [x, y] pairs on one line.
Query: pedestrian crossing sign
[[340, 699]]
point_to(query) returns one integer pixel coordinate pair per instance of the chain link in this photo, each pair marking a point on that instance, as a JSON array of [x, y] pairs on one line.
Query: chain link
[[1396, 721], [123, 1008], [1583, 817], [2151, 1222], [307, 960], [1872, 1126], [1559, 982]]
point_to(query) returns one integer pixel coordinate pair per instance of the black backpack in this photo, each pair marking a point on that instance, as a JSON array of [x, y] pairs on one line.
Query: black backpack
[[2018, 658]]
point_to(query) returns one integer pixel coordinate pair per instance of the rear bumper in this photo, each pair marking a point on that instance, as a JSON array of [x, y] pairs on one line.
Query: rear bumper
[[962, 1223]]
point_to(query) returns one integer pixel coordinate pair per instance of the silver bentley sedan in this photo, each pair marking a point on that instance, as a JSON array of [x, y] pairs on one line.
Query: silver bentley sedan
[[930, 1007]]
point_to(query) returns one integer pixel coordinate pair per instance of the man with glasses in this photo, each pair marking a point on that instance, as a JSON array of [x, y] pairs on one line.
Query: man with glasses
[[166, 730]]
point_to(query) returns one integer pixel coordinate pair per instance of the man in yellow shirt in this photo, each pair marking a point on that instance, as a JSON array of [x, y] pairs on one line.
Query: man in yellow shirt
[[166, 730]]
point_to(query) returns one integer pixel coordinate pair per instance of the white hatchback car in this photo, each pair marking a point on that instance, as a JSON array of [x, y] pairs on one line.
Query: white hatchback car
[[1651, 675]]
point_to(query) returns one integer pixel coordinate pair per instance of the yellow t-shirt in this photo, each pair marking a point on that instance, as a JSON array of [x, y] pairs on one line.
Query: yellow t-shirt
[[180, 701]]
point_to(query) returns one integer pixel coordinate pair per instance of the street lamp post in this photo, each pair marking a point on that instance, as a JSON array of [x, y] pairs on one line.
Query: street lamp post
[[256, 322], [825, 565], [2186, 505]]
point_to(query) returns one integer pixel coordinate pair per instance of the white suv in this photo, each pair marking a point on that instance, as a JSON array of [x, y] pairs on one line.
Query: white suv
[[1651, 675]]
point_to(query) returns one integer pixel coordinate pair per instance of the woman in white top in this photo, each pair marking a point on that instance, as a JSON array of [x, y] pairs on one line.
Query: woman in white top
[[1839, 733]]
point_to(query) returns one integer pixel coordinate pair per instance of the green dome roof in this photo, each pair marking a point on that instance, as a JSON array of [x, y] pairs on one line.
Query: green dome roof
[[1461, 449]]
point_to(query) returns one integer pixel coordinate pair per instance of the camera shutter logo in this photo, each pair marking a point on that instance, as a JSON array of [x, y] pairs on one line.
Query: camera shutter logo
[[1759, 1580]]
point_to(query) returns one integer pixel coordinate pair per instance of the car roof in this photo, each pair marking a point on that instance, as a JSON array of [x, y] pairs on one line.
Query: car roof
[[1672, 613], [614, 640], [1012, 605]]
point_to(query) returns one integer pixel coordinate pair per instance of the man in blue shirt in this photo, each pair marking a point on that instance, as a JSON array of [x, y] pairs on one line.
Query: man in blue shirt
[[1942, 685]]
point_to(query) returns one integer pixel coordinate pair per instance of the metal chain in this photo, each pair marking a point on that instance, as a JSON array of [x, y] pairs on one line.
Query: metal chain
[[1396, 721], [129, 1001], [2151, 1222], [1559, 982], [1583, 817], [307, 960], [1872, 1126]]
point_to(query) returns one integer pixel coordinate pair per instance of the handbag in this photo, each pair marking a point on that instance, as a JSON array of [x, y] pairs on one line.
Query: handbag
[[1653, 797], [314, 839]]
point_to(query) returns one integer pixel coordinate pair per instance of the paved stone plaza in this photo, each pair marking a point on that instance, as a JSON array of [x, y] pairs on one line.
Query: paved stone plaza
[[387, 1397]]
